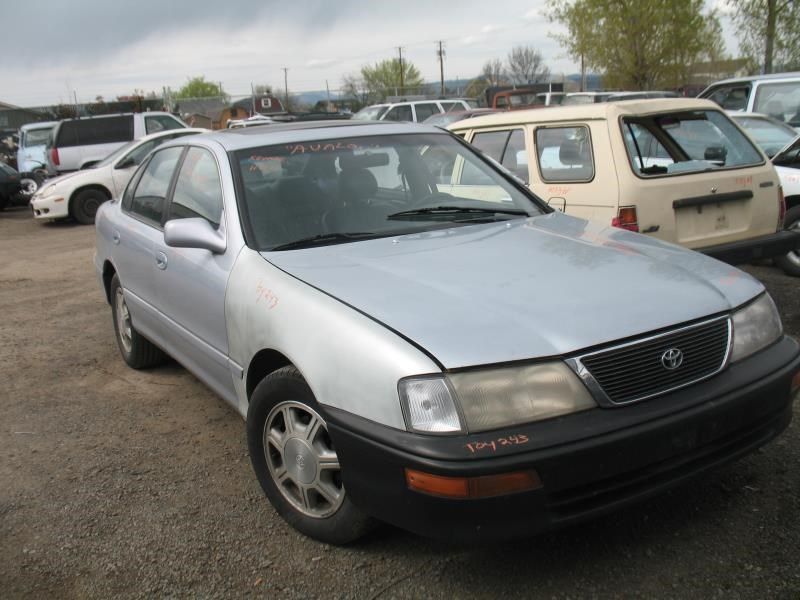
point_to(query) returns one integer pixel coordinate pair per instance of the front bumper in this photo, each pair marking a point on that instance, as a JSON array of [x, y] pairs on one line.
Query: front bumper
[[50, 207], [589, 463], [765, 246]]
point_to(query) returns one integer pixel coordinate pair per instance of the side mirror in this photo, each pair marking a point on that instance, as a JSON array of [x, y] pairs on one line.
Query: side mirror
[[193, 233]]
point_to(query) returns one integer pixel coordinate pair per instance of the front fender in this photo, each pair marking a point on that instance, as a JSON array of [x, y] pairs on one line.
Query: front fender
[[350, 361]]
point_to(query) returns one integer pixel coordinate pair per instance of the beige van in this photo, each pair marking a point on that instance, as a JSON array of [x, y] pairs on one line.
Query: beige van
[[677, 169]]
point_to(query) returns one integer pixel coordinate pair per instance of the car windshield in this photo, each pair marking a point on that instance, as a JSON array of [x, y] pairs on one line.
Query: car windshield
[[370, 113], [770, 135], [36, 137], [686, 142], [346, 189], [116, 154]]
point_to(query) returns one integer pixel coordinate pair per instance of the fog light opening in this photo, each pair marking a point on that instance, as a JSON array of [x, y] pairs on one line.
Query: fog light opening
[[484, 486]]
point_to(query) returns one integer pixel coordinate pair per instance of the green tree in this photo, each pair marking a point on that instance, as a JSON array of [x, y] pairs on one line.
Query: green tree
[[639, 44], [198, 87], [383, 78], [768, 32]]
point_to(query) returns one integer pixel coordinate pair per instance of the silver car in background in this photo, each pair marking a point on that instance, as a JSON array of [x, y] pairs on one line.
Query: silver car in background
[[413, 337]]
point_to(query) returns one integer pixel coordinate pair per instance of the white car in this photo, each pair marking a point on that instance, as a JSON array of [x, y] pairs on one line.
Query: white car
[[79, 194]]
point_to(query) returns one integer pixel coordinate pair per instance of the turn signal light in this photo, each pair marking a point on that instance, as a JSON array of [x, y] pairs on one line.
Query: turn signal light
[[54, 156], [626, 218], [484, 486]]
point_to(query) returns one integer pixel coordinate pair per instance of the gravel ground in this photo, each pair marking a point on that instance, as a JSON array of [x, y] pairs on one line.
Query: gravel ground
[[118, 483]]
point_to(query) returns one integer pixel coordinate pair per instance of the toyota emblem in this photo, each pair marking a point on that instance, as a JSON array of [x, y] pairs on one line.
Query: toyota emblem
[[672, 359]]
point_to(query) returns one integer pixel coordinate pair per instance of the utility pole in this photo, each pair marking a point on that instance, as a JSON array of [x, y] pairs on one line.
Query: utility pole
[[286, 86], [400, 50], [253, 97], [328, 93], [440, 53]]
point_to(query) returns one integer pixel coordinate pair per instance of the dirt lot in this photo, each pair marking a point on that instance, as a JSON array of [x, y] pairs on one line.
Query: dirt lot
[[137, 484]]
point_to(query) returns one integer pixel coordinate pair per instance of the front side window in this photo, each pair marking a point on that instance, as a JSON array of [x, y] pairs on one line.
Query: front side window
[[399, 113], [198, 190], [564, 153], [507, 147], [731, 97], [148, 199], [426, 110], [686, 142], [350, 189]]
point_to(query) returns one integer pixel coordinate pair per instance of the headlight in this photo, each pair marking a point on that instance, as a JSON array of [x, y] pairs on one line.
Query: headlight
[[490, 399], [47, 190], [755, 326]]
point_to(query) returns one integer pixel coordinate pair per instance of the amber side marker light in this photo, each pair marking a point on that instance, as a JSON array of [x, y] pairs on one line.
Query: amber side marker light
[[795, 383], [484, 486]]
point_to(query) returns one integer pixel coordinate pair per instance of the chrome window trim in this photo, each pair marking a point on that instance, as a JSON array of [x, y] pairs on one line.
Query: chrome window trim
[[576, 364]]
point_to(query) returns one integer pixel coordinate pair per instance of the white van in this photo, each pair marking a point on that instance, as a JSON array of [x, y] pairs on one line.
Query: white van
[[776, 95], [80, 143]]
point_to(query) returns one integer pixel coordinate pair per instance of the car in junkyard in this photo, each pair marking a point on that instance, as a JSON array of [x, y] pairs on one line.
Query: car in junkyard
[[781, 143], [776, 95], [412, 111], [9, 185], [429, 345], [445, 119], [676, 169], [80, 193], [32, 155]]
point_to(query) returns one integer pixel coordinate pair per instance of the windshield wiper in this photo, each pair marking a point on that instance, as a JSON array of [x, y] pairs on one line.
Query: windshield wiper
[[455, 210], [328, 238]]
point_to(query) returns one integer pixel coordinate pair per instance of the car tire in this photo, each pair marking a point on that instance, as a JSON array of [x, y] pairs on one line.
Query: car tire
[[296, 463], [84, 205], [790, 263], [137, 351]]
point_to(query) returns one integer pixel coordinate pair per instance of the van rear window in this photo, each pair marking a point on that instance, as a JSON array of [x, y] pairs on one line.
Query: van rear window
[[686, 142], [103, 130]]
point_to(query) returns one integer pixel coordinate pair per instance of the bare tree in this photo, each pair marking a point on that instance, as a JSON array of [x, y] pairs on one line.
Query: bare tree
[[493, 72], [526, 65]]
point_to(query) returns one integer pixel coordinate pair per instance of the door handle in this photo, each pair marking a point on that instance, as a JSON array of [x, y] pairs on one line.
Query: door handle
[[115, 238], [161, 260]]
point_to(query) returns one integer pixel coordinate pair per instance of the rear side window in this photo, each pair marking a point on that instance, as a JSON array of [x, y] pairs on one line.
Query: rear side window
[[155, 123], [687, 142], [149, 197], [101, 130], [198, 191], [564, 153]]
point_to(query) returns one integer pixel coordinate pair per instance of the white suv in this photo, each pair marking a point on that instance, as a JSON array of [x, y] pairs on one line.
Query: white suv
[[413, 112], [80, 143], [776, 95]]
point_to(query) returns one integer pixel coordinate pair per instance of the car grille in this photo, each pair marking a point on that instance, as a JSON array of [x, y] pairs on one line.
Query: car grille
[[639, 369]]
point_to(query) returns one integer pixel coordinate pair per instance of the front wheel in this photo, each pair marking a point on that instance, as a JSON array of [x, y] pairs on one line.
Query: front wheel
[[790, 262], [296, 462], [85, 204]]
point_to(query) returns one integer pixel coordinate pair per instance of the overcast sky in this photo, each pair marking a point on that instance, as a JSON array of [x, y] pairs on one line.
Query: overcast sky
[[102, 47]]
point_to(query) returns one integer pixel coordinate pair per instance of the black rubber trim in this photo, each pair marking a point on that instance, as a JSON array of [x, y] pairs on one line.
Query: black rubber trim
[[765, 246], [713, 199], [766, 184]]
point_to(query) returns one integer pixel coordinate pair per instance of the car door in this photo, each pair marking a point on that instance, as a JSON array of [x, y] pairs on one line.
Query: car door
[[135, 236], [191, 282]]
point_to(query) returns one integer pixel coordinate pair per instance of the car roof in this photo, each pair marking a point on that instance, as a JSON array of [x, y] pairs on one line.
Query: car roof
[[770, 77], [39, 125], [582, 112], [307, 131]]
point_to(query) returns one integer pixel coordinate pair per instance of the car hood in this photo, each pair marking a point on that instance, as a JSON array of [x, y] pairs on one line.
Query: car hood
[[527, 288]]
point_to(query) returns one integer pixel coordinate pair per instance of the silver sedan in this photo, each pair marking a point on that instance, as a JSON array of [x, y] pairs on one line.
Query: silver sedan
[[413, 337]]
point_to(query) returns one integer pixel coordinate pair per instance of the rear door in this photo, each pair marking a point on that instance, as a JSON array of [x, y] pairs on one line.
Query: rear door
[[695, 179]]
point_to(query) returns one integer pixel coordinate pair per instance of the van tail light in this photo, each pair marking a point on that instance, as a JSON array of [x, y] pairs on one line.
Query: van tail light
[[781, 207], [54, 156], [626, 218]]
